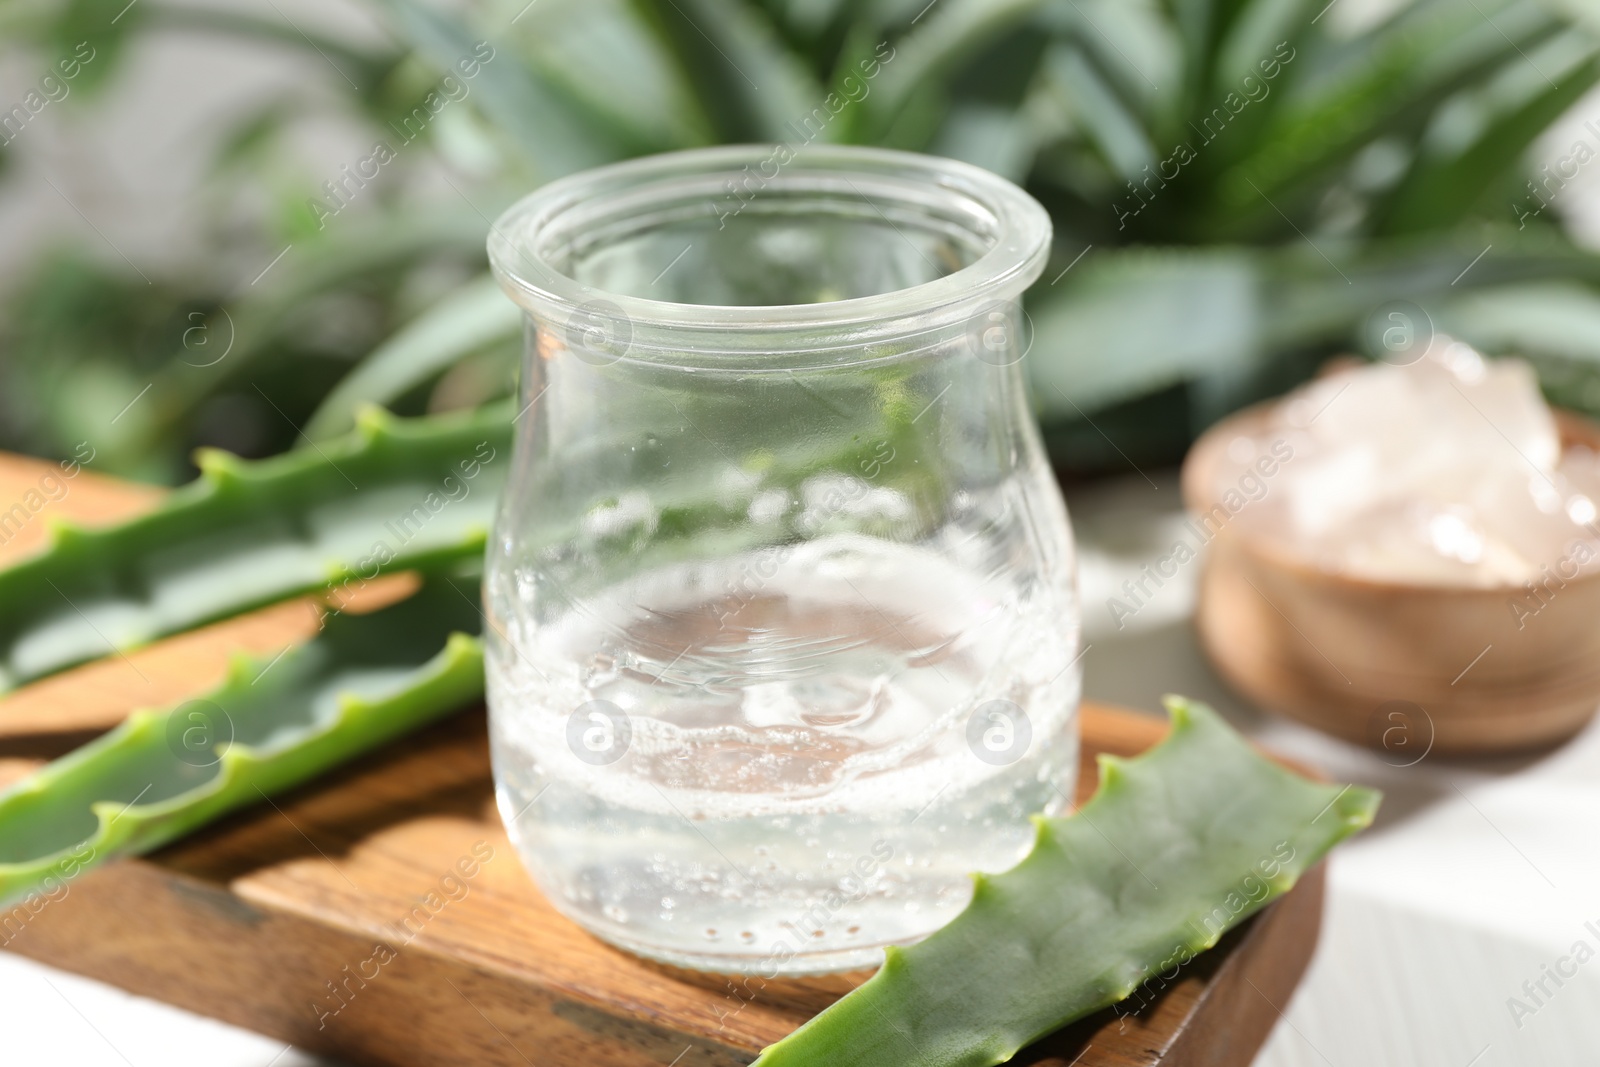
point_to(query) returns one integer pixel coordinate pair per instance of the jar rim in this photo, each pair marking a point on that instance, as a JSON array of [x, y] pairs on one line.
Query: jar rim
[[1020, 243]]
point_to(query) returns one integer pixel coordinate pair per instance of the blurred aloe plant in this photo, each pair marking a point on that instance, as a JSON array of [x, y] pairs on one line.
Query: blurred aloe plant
[[1238, 187]]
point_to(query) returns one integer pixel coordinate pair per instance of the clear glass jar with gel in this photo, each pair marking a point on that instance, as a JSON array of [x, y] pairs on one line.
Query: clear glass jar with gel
[[783, 631]]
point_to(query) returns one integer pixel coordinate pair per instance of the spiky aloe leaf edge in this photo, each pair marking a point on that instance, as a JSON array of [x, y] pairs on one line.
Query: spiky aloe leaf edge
[[1175, 848]]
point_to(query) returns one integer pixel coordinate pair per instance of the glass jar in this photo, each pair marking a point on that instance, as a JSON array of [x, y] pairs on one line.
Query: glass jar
[[782, 618]]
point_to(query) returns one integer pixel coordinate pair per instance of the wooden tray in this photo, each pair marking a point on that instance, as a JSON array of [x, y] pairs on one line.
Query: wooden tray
[[340, 917]]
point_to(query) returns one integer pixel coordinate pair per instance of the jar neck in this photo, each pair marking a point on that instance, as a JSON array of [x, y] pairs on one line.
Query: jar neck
[[839, 257]]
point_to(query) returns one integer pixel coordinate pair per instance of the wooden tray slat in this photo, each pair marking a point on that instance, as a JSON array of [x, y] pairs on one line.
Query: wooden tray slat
[[338, 917]]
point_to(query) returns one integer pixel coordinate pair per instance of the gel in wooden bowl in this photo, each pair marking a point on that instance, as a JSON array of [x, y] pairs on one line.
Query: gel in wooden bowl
[[1406, 556]]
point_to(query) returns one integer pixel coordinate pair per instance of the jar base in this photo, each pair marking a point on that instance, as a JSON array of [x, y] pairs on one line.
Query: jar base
[[766, 965]]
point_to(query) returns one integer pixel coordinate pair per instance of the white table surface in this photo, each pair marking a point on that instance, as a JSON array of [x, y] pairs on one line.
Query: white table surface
[[1479, 876]]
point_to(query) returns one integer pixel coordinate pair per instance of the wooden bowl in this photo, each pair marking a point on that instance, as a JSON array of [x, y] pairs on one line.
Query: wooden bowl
[[1406, 668]]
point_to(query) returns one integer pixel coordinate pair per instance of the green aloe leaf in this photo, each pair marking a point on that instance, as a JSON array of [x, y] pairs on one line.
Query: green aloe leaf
[[1558, 319], [1392, 85], [341, 258], [941, 39], [1132, 322], [364, 680], [1107, 123], [362, 66], [394, 494], [1134, 47], [1441, 189], [643, 97], [1175, 848], [103, 30], [1229, 322], [1255, 31], [467, 320], [552, 129], [749, 85]]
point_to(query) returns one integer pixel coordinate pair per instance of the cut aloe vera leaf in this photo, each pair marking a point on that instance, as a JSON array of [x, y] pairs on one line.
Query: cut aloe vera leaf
[[393, 494], [1175, 848], [363, 680]]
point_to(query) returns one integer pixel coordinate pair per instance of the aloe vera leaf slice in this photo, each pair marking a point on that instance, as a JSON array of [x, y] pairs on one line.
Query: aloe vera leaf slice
[[393, 494], [363, 680], [1176, 847]]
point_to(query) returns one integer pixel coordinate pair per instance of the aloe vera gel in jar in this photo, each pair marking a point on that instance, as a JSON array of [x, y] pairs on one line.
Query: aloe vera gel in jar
[[782, 635]]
